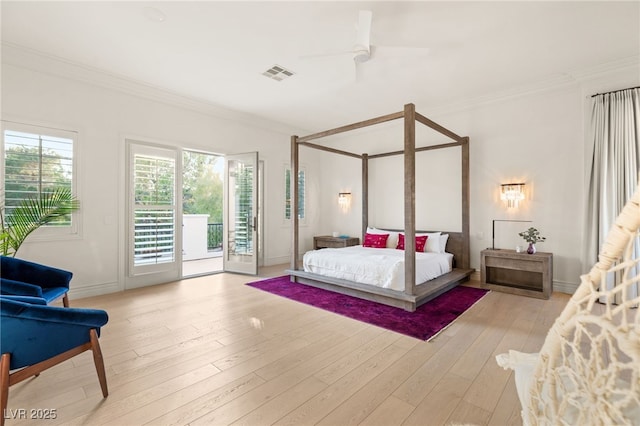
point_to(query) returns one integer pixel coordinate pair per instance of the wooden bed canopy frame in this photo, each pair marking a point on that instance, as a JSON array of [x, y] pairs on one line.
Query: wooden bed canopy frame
[[458, 243]]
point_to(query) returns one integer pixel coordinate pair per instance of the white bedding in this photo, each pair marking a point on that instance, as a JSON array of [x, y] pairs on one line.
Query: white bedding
[[382, 267]]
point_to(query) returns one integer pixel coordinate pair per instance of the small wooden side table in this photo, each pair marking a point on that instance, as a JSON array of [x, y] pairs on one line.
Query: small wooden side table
[[518, 273], [327, 241]]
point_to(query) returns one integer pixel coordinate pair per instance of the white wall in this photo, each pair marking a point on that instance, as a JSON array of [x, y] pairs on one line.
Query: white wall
[[104, 117], [538, 138]]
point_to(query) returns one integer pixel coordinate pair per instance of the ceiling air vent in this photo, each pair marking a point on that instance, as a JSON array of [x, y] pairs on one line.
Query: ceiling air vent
[[278, 73]]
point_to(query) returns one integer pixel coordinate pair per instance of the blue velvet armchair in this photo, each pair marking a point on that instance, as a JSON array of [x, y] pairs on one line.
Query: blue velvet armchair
[[23, 278], [35, 337]]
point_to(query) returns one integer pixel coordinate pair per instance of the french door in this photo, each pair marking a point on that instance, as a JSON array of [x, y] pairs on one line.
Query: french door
[[241, 245], [153, 210]]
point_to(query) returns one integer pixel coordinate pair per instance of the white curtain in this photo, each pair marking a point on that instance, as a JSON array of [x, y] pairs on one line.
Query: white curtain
[[615, 133]]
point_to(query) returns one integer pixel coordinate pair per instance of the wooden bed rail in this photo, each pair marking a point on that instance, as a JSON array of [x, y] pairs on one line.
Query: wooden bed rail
[[353, 126]]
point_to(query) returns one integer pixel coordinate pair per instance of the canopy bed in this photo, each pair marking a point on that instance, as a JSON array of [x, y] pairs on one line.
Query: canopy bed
[[413, 293]]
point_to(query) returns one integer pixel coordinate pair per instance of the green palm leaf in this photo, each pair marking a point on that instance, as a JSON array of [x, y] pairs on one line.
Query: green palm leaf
[[33, 213]]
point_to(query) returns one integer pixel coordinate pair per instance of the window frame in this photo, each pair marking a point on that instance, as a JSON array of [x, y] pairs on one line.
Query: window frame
[[50, 233], [287, 196]]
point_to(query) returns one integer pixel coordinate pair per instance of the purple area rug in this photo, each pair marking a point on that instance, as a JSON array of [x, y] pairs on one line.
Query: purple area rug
[[427, 321]]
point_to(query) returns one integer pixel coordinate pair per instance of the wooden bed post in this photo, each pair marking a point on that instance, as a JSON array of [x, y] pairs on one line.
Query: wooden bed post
[[409, 198], [365, 194], [466, 202], [293, 179]]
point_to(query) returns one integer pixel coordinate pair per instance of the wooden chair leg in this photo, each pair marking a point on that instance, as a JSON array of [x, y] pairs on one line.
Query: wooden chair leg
[[65, 300], [4, 385], [99, 362]]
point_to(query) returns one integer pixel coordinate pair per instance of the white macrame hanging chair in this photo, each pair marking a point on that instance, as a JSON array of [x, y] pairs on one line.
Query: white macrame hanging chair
[[588, 370]]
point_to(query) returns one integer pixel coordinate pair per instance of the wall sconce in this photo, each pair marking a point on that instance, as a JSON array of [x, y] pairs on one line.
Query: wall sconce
[[512, 193], [344, 201]]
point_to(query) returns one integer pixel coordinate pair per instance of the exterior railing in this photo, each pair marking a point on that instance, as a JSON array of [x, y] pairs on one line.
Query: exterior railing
[[214, 236]]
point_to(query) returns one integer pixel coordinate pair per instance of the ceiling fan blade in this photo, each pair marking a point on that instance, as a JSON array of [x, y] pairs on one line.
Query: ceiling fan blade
[[326, 54], [364, 28], [399, 51]]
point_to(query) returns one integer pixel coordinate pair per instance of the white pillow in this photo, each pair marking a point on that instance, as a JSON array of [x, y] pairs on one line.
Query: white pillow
[[392, 241], [433, 242], [443, 242], [436, 243]]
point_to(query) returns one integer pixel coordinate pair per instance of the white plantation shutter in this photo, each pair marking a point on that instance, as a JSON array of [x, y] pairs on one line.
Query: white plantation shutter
[[154, 210], [243, 217], [38, 160], [301, 194]]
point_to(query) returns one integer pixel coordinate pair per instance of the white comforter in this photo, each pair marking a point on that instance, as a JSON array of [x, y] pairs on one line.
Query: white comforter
[[375, 266]]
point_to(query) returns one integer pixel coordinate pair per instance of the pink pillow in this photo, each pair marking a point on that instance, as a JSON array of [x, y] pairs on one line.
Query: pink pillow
[[420, 242], [375, 240]]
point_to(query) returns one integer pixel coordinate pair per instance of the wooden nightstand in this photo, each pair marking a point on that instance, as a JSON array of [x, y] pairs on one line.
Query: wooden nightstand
[[517, 273], [327, 241]]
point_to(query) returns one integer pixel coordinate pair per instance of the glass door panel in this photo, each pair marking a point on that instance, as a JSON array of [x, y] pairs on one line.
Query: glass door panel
[[153, 237], [241, 213]]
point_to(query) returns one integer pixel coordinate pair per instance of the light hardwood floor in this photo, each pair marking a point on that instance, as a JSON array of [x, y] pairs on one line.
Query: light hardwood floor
[[210, 350]]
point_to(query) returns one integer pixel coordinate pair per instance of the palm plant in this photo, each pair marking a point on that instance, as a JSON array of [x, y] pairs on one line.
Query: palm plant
[[31, 214]]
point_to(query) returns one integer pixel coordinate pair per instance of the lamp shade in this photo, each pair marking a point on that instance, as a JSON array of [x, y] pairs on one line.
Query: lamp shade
[[344, 201], [512, 193]]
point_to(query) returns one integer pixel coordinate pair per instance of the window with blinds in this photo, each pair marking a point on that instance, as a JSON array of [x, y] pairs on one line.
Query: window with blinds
[[287, 192], [154, 210], [243, 217], [37, 161]]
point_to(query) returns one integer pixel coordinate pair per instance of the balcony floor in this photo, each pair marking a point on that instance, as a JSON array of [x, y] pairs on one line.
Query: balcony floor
[[202, 266]]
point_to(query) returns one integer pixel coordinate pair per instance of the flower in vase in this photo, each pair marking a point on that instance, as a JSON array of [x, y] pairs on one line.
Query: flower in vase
[[532, 236]]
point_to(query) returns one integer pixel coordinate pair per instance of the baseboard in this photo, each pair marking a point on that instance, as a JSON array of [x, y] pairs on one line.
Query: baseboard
[[279, 260], [93, 290], [565, 287]]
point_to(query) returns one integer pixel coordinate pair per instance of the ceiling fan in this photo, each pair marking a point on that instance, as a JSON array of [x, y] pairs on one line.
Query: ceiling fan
[[362, 51], [362, 48]]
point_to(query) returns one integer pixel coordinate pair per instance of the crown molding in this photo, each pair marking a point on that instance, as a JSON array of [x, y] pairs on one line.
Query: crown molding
[[34, 60], [552, 84], [558, 82], [631, 63]]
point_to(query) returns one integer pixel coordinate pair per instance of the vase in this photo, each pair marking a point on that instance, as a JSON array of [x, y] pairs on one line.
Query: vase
[[531, 249]]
